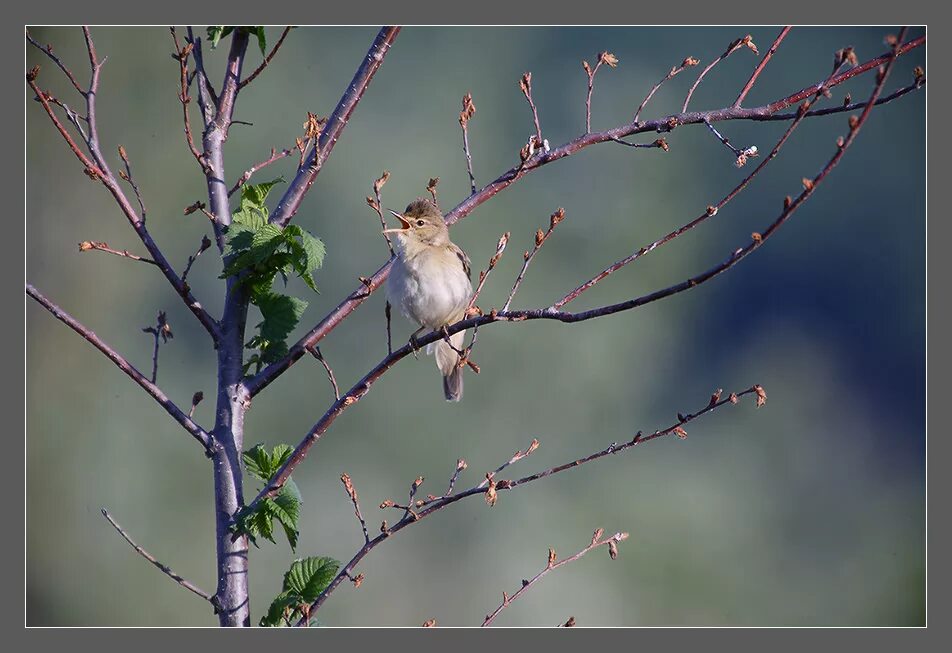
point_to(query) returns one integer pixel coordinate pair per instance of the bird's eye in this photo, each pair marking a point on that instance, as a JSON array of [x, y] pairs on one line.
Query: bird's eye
[[420, 223]]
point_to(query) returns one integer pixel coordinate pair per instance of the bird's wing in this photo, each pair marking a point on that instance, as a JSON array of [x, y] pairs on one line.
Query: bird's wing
[[461, 255]]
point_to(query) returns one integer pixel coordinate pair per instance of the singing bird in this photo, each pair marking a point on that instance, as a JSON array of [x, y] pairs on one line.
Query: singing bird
[[430, 284]]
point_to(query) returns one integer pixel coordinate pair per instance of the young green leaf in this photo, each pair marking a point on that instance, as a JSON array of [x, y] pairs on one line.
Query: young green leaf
[[218, 32], [279, 614], [308, 577], [281, 314], [262, 43], [256, 194], [287, 509]]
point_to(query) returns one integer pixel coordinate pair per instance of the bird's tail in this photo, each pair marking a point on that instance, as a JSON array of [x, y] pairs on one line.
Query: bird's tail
[[448, 362]]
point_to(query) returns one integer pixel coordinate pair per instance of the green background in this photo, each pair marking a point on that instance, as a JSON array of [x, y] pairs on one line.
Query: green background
[[809, 511]]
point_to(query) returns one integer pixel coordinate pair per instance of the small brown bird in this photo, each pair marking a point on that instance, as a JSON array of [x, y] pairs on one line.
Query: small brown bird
[[430, 284]]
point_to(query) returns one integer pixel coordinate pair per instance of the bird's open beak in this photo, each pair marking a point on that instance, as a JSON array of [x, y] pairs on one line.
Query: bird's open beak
[[405, 224]]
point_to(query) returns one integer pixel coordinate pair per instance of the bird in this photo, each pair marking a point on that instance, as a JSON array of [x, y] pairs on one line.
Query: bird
[[430, 284]]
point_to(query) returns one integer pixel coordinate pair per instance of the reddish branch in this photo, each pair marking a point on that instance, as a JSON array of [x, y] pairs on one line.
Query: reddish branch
[[48, 51], [765, 112], [151, 389], [291, 201], [611, 542], [763, 64], [97, 169], [688, 61], [181, 55], [267, 60], [316, 352], [731, 49], [540, 238], [362, 387], [525, 84], [606, 58], [91, 245], [276, 155], [494, 487]]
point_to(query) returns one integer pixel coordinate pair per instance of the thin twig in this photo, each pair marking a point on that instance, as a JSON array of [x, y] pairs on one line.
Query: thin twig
[[766, 112], [352, 493], [91, 245], [316, 353], [763, 64], [525, 84], [688, 61], [276, 155], [161, 567], [606, 58], [731, 49], [710, 212], [151, 389], [377, 205], [181, 55], [48, 51], [196, 400], [307, 173], [127, 176], [516, 457], [611, 542], [540, 238], [484, 489], [722, 139], [161, 329], [362, 387], [98, 170], [464, 357], [267, 59], [206, 243], [469, 110]]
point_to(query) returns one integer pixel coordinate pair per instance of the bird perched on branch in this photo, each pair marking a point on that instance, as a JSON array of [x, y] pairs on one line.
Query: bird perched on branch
[[430, 284]]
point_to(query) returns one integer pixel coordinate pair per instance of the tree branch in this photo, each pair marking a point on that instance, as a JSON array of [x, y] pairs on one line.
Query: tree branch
[[161, 567], [611, 542], [267, 60], [763, 113], [496, 486], [150, 388], [291, 201], [98, 170], [763, 64], [362, 387]]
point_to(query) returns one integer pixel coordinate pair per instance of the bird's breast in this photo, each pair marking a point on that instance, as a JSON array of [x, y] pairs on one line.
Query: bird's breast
[[431, 288]]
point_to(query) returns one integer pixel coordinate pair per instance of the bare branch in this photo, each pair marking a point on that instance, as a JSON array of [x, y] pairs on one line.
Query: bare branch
[[48, 51], [181, 55], [688, 61], [352, 493], [377, 205], [316, 352], [362, 387], [91, 245], [276, 155], [606, 58], [206, 243], [97, 169], [151, 389], [485, 489], [731, 49], [611, 542], [525, 84], [161, 329], [540, 239], [763, 113], [267, 59], [763, 64], [306, 175], [469, 110], [161, 567]]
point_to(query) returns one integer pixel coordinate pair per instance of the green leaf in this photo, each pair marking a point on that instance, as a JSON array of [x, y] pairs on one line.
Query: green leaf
[[262, 43], [250, 214], [258, 462], [308, 577], [281, 314], [287, 509], [256, 194], [282, 608], [218, 32]]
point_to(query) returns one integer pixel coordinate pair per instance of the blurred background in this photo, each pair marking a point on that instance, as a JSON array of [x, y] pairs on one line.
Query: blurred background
[[808, 511]]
